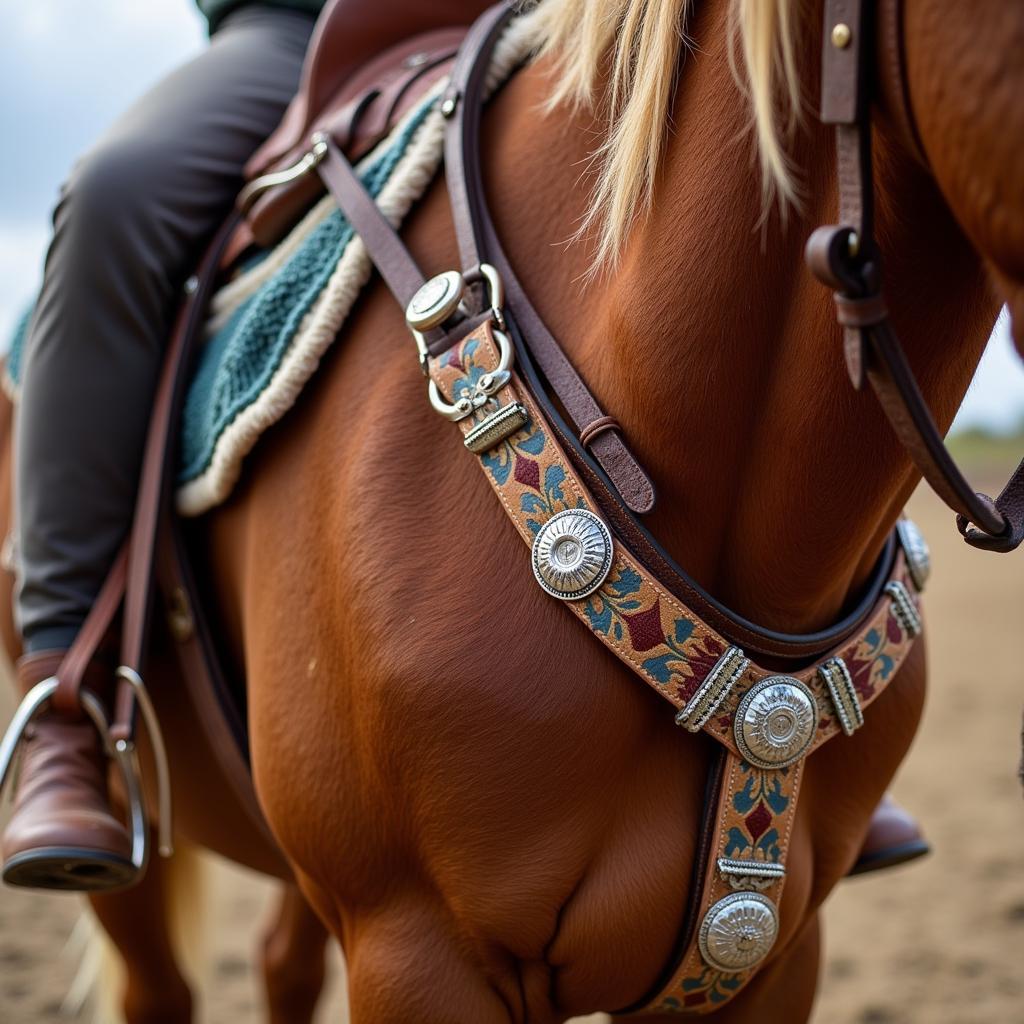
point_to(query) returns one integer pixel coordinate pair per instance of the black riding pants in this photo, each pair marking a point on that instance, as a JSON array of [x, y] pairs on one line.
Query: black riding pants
[[128, 229]]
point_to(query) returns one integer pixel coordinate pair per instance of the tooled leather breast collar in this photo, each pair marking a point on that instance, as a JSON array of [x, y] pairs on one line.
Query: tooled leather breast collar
[[480, 343]]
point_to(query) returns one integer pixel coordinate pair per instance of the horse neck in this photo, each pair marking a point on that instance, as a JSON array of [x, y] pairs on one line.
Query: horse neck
[[718, 352]]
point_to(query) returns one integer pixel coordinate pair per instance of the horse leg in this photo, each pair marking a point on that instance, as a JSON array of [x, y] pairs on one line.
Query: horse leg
[[403, 966], [137, 922], [292, 959]]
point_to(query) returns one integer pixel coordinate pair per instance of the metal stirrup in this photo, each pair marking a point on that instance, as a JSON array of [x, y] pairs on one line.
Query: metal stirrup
[[123, 753]]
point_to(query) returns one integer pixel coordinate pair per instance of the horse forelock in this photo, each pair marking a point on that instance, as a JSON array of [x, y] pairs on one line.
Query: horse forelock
[[621, 58]]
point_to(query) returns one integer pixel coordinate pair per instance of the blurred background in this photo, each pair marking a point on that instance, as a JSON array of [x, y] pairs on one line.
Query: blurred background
[[939, 941]]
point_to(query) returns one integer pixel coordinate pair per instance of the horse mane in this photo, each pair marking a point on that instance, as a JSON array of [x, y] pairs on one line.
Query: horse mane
[[621, 58]]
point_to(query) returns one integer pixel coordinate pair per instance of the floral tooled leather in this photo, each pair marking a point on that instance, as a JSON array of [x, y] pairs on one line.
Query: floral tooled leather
[[673, 651]]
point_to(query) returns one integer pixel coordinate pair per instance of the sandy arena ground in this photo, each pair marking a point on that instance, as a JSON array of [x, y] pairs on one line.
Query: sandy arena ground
[[938, 942]]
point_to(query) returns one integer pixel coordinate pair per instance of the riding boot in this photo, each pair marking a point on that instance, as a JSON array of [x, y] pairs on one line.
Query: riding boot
[[894, 837], [62, 834]]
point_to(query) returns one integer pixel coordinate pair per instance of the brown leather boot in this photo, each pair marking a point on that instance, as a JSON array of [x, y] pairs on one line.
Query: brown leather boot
[[62, 834], [894, 837]]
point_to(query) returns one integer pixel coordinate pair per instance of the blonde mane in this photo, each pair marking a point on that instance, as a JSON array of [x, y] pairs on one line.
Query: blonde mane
[[639, 42]]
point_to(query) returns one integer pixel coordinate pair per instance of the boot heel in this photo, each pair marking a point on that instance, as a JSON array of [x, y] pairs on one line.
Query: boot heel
[[69, 868]]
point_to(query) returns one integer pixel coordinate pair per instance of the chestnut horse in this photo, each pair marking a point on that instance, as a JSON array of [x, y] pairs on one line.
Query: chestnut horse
[[492, 815]]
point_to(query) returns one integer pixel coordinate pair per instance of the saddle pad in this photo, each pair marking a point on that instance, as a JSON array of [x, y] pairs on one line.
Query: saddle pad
[[271, 324]]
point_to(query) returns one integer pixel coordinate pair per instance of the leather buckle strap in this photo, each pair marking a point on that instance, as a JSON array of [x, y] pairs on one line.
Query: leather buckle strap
[[609, 453], [478, 242], [151, 503], [619, 483]]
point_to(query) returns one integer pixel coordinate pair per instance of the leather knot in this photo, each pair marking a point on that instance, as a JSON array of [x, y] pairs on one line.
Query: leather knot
[[1008, 539], [860, 312], [597, 427]]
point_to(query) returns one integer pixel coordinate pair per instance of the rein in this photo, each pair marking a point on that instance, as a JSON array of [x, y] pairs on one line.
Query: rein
[[846, 258]]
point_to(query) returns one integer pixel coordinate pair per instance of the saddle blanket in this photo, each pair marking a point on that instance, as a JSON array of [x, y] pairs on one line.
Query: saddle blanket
[[271, 324]]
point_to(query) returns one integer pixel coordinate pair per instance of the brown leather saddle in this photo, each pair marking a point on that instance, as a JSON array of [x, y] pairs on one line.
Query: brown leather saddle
[[353, 100], [345, 105]]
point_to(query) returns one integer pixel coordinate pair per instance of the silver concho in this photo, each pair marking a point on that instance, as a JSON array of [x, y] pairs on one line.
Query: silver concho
[[572, 554], [775, 722], [738, 931], [915, 547], [435, 301]]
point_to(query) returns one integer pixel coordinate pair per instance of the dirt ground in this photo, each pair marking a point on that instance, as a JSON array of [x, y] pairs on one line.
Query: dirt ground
[[937, 942]]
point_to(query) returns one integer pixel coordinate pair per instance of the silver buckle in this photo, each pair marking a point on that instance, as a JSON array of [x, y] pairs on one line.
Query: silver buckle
[[441, 298], [307, 162]]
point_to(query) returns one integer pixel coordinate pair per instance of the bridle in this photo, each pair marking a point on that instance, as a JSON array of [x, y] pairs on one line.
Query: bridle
[[847, 259]]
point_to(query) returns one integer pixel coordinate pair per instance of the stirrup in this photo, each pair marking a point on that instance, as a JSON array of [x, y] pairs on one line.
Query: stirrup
[[890, 857], [68, 868]]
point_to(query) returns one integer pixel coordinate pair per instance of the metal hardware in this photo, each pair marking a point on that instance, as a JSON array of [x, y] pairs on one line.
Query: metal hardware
[[776, 722], [853, 244], [308, 162], [441, 297], [750, 874], [915, 548], [841, 36], [904, 609], [122, 753], [836, 677], [495, 294], [486, 387], [448, 107], [191, 285], [738, 931], [496, 427], [572, 554], [25, 712], [435, 301], [165, 831], [717, 685]]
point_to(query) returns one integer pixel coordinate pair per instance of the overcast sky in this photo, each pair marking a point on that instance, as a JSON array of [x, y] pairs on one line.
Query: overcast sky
[[68, 67]]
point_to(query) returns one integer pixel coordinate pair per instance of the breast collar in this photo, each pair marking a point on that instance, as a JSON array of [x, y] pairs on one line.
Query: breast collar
[[480, 364]]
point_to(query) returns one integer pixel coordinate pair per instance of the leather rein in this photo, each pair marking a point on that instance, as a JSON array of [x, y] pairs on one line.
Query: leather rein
[[846, 258]]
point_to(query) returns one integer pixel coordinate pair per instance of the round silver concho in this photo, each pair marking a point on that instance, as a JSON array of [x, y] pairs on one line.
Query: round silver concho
[[572, 554], [435, 301], [915, 547], [738, 931], [775, 722]]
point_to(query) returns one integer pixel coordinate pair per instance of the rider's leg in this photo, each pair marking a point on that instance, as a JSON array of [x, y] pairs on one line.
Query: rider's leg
[[128, 228]]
